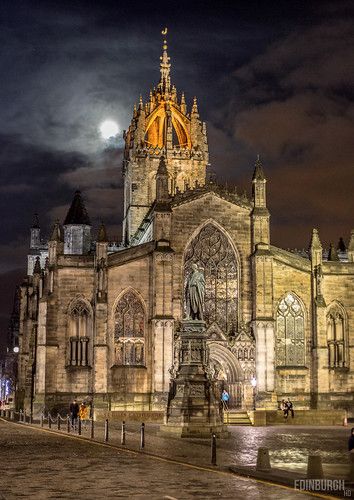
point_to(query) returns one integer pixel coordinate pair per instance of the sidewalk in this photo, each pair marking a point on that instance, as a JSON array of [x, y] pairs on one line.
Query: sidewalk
[[289, 448]]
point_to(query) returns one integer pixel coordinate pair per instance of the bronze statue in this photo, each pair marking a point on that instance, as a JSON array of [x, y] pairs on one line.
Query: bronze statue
[[195, 291]]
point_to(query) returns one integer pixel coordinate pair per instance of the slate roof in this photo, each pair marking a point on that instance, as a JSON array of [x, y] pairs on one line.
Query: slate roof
[[77, 213]]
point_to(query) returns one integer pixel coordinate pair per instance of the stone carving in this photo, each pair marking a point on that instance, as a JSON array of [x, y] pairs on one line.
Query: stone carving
[[195, 291]]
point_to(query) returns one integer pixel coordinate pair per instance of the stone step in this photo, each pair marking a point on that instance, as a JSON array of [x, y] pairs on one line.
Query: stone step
[[236, 418]]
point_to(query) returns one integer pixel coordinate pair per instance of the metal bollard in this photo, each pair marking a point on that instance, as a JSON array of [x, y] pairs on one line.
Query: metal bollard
[[92, 428], [42, 419], [142, 436], [213, 449], [122, 438], [314, 467], [58, 422], [79, 426], [68, 425], [106, 430]]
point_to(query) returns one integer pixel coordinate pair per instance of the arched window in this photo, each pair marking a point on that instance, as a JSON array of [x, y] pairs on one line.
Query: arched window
[[336, 339], [80, 333], [211, 251], [290, 341], [129, 331]]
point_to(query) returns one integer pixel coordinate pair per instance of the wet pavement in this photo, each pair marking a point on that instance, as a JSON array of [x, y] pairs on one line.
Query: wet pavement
[[38, 464], [289, 446]]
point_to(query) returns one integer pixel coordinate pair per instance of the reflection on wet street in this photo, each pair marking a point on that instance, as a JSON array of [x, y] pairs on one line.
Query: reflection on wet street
[[40, 465]]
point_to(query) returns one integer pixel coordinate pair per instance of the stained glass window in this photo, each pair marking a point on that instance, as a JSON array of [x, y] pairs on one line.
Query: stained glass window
[[129, 330], [211, 251], [336, 337], [80, 326], [290, 340]]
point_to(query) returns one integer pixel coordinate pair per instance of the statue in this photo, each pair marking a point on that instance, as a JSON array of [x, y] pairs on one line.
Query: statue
[[195, 291]]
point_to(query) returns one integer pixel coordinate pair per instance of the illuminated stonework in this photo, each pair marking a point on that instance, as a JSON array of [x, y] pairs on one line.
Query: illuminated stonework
[[161, 126]]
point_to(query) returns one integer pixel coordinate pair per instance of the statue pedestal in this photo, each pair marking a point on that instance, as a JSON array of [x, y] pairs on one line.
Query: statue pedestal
[[193, 410]]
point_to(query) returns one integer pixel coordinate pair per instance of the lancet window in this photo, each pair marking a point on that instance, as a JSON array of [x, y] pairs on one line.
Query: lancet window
[[290, 340], [336, 338], [129, 331], [213, 253], [80, 334]]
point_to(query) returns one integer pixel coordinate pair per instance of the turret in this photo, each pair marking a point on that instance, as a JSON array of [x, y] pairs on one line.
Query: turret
[[351, 247], [77, 228], [315, 249], [56, 244], [161, 127], [35, 241], [260, 213]]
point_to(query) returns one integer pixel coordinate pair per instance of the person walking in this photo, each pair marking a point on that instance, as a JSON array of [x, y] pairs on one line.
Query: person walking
[[351, 441], [84, 414], [225, 398], [74, 412]]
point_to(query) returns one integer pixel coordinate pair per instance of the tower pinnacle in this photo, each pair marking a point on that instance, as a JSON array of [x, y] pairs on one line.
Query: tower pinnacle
[[165, 81]]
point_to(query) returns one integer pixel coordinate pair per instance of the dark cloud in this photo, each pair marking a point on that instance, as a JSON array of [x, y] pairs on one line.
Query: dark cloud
[[270, 79]]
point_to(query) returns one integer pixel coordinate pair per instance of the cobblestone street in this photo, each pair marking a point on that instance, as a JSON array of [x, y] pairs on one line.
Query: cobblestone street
[[37, 464]]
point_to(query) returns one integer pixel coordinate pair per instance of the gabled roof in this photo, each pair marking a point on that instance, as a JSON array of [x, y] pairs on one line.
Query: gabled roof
[[77, 213]]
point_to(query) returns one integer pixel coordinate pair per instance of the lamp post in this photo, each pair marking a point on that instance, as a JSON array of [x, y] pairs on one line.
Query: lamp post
[[254, 385]]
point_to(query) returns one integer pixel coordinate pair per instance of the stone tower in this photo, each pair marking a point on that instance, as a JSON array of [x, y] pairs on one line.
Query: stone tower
[[161, 126], [77, 228]]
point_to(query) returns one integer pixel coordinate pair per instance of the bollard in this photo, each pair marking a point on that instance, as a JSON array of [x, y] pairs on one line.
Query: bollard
[[314, 467], [68, 425], [142, 436], [58, 422], [122, 437], [213, 449], [92, 428], [11, 415], [20, 416], [49, 421], [42, 419], [79, 426], [106, 430], [263, 462], [351, 470]]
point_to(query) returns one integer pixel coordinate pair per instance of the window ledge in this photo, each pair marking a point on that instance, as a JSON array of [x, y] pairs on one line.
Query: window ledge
[[339, 368], [129, 366], [78, 367], [290, 367]]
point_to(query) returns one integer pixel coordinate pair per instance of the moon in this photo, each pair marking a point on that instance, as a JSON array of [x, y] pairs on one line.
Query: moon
[[108, 129]]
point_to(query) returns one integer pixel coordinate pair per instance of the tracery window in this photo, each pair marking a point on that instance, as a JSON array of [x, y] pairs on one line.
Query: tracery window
[[211, 251], [336, 337], [80, 333], [290, 341], [129, 331]]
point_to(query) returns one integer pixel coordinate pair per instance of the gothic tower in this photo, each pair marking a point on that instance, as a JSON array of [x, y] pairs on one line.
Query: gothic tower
[[161, 126]]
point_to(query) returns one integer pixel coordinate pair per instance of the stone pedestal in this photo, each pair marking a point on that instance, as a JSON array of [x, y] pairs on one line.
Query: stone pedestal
[[192, 410]]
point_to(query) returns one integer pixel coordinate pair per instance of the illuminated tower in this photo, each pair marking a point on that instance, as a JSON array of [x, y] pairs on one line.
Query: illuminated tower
[[161, 126]]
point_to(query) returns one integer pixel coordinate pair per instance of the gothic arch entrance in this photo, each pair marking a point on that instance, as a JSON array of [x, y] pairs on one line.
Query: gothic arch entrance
[[227, 373]]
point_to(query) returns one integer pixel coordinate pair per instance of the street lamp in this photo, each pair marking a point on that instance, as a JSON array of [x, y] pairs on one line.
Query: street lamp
[[254, 385]]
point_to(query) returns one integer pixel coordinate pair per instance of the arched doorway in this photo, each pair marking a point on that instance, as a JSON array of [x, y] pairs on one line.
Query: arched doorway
[[227, 373]]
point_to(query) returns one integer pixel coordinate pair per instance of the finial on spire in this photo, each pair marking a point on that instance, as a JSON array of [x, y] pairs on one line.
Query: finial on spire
[[258, 174], [165, 81]]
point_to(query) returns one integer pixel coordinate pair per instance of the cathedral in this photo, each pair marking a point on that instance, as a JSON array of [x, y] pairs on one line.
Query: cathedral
[[101, 321]]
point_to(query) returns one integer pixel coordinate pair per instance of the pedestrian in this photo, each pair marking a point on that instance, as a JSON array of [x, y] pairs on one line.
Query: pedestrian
[[84, 414], [290, 407], [284, 408], [74, 412], [225, 400], [351, 441]]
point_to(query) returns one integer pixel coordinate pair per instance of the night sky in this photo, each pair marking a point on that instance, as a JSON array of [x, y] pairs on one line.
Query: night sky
[[271, 79]]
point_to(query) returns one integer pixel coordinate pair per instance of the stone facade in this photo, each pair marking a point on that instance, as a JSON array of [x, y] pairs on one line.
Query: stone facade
[[103, 323]]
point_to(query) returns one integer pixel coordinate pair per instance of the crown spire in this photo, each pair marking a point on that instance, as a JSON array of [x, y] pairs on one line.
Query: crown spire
[[165, 81]]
